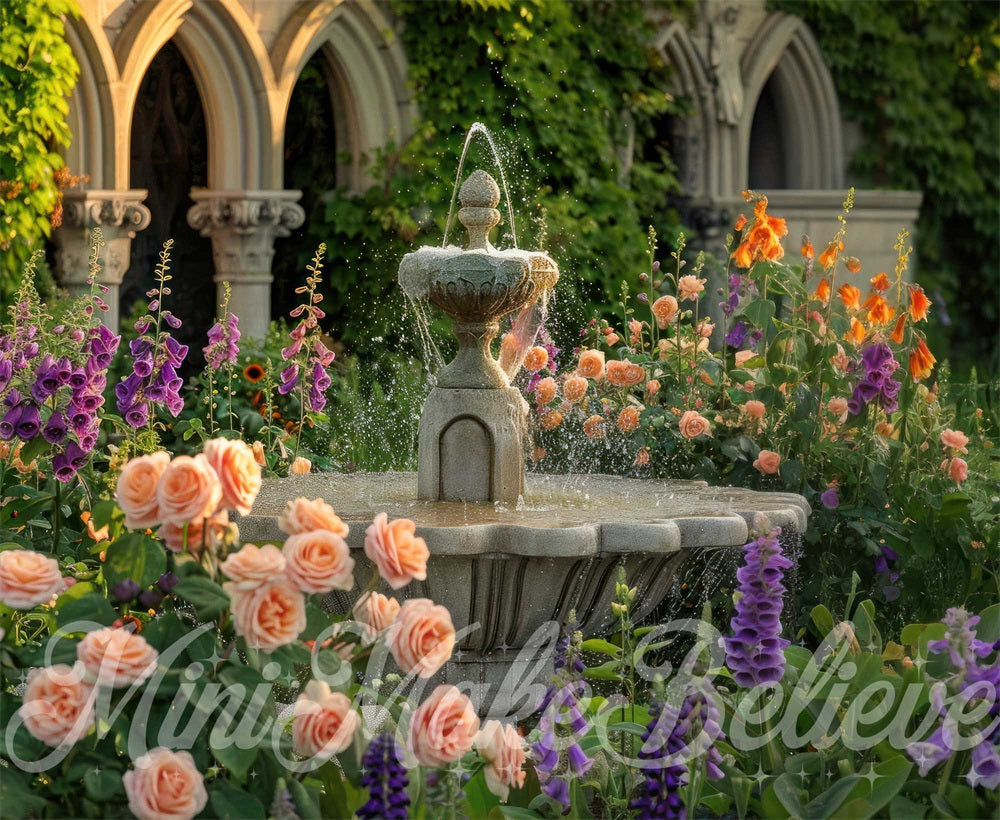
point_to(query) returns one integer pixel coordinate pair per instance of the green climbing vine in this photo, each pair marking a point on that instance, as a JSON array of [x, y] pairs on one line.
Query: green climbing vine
[[37, 74], [921, 79], [578, 101]]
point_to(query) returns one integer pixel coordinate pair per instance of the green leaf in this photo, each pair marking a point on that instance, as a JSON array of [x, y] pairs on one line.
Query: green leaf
[[207, 597], [306, 800], [231, 803], [601, 646], [135, 556], [868, 801], [988, 628], [91, 607], [234, 751], [829, 802], [759, 312], [102, 784]]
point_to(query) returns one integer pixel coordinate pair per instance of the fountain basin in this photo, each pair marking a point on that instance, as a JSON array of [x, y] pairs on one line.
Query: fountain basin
[[510, 570]]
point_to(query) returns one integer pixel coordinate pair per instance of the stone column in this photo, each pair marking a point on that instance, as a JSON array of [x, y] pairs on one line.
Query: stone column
[[119, 215], [243, 226]]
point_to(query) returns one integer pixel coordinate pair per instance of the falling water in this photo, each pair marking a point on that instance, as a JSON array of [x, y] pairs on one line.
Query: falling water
[[433, 360], [479, 128]]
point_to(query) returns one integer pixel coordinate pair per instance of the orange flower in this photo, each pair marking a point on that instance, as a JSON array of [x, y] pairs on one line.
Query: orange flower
[[850, 296], [921, 361], [642, 457], [879, 311], [853, 264], [625, 373], [918, 303], [807, 248], [594, 427], [897, 333], [857, 332], [829, 256], [628, 419], [551, 420], [880, 282], [764, 238], [741, 221], [535, 359], [822, 293]]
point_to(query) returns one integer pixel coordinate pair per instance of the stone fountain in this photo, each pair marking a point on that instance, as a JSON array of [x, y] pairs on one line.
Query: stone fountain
[[510, 557]]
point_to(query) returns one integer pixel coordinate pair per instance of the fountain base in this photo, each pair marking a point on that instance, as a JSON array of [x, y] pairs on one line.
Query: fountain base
[[473, 454], [511, 574]]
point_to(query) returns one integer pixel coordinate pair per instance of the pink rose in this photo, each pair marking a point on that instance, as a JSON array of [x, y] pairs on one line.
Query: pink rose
[[324, 722], [200, 534], [693, 424], [743, 356], [303, 515], [375, 612], [664, 309], [423, 637], [958, 470], [270, 616], [189, 490], [503, 750], [767, 462], [318, 561], [653, 387], [443, 728], [238, 472], [689, 287], [58, 707], [755, 409], [116, 657], [28, 578], [399, 555], [955, 439], [165, 785], [253, 566], [838, 406], [136, 491]]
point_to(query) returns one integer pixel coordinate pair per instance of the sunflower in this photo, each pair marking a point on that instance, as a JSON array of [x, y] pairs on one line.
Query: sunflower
[[253, 372]]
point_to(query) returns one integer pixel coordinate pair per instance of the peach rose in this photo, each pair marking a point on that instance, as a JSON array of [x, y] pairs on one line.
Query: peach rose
[[165, 785], [116, 657], [642, 457], [612, 339], [653, 387], [634, 332], [376, 612], [625, 373], [303, 515], [318, 561], [767, 462], [238, 472], [253, 566], [422, 638], [58, 707], [301, 466], [545, 390], [755, 409], [551, 420], [324, 721], [189, 490], [136, 490], [693, 424], [28, 578], [535, 359], [743, 356], [705, 329], [955, 439], [503, 750], [628, 419], [270, 616], [443, 728], [258, 453], [591, 365], [200, 534], [399, 555], [838, 406], [664, 310], [593, 427], [958, 470], [689, 287], [575, 388]]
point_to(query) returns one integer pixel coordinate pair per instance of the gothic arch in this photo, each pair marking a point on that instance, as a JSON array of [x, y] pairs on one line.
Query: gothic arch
[[785, 54], [367, 70], [231, 70]]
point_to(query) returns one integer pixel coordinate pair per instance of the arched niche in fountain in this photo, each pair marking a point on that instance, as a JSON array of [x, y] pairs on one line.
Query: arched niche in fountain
[[466, 456]]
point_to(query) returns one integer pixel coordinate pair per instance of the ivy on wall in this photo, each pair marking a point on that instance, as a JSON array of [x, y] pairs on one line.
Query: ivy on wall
[[580, 109], [921, 79], [37, 74]]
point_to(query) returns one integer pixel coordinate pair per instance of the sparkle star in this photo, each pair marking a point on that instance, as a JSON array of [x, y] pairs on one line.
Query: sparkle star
[[254, 774], [504, 647], [871, 775], [458, 654], [759, 776], [802, 776]]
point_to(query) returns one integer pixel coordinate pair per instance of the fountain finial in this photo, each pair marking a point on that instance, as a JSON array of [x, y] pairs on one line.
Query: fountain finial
[[479, 197]]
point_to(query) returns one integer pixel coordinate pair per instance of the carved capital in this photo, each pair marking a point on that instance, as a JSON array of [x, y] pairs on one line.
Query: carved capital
[[275, 213], [121, 210]]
